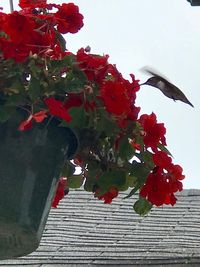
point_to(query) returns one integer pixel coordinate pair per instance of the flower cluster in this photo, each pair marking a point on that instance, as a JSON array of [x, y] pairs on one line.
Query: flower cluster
[[118, 149], [36, 30]]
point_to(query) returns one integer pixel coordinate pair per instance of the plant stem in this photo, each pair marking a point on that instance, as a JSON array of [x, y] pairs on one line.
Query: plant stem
[[11, 6]]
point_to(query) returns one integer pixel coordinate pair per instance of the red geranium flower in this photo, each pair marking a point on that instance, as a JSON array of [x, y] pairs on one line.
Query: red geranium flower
[[108, 197], [115, 97], [57, 108], [94, 66], [18, 52], [37, 117], [68, 18], [157, 189], [18, 27], [153, 132], [30, 3], [161, 159], [60, 193], [73, 100], [3, 17], [160, 186]]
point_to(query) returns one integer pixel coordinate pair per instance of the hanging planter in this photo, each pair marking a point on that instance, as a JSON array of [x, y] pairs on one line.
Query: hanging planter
[[50, 101], [30, 165]]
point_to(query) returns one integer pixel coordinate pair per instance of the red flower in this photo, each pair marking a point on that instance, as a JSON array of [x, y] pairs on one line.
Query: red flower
[[157, 189], [135, 145], [160, 186], [40, 116], [18, 27], [153, 132], [60, 193], [176, 172], [30, 3], [27, 124], [94, 66], [108, 197], [73, 100], [161, 159], [115, 97], [3, 17], [42, 43], [57, 108], [18, 52], [68, 18]]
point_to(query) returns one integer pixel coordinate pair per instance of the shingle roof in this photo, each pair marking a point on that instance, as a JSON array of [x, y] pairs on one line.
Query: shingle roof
[[83, 231]]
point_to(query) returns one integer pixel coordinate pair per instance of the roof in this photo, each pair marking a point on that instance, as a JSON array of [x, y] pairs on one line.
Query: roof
[[83, 231]]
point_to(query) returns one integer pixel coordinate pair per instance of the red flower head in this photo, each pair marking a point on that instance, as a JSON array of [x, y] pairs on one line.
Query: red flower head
[[69, 19], [160, 186], [31, 3], [116, 98], [60, 193], [157, 189], [18, 27], [18, 52], [161, 159], [73, 100], [108, 197], [3, 17], [153, 132], [95, 67], [57, 108]]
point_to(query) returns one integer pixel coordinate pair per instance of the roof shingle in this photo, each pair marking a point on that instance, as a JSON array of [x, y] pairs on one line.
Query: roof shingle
[[83, 231]]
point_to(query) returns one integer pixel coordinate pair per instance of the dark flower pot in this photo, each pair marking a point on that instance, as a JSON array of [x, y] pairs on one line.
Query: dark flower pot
[[30, 165]]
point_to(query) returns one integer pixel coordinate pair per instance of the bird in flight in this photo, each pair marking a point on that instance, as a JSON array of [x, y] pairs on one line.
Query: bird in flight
[[166, 87]]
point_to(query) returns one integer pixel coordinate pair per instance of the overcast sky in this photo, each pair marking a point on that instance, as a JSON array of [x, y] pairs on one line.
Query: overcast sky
[[164, 35]]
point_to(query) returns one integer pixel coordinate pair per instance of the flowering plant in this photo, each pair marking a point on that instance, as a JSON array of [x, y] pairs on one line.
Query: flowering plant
[[118, 148]]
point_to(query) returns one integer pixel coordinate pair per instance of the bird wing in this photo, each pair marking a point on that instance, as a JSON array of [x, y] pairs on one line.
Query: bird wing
[[153, 72]]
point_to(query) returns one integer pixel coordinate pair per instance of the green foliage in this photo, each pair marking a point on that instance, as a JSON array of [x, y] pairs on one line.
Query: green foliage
[[85, 92], [89, 184], [79, 117], [126, 151], [34, 88], [163, 148], [75, 181], [5, 113], [68, 170], [139, 173], [105, 124], [142, 206], [108, 179]]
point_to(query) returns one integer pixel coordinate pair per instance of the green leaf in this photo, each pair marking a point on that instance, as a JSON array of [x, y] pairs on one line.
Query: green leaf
[[15, 100], [105, 124], [132, 181], [61, 40], [90, 183], [133, 191], [68, 170], [75, 181], [5, 113], [140, 171], [75, 81], [79, 118], [58, 64], [34, 88], [112, 178], [164, 149], [147, 157], [142, 206], [126, 151]]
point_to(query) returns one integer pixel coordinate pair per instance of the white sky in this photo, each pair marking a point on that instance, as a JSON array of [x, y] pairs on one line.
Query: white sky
[[161, 34]]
